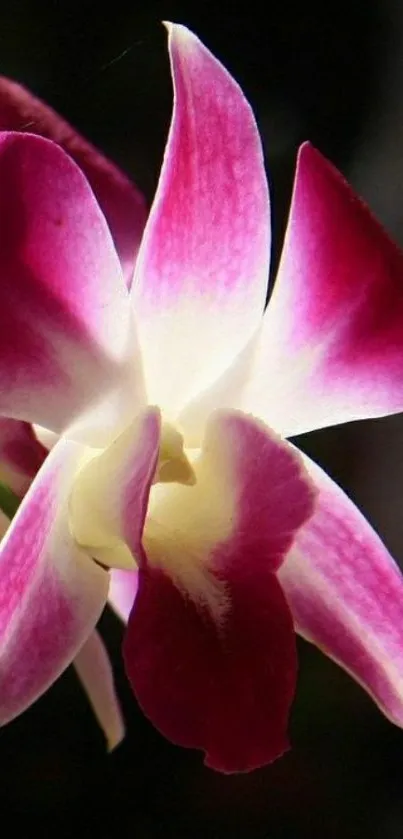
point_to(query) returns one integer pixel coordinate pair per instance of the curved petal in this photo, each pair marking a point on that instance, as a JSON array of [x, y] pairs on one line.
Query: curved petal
[[331, 348], [94, 670], [210, 648], [122, 591], [21, 455], [202, 270], [67, 341], [51, 593], [121, 203], [346, 594], [109, 501]]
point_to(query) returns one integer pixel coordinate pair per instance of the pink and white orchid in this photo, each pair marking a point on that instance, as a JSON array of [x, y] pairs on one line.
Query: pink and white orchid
[[173, 397]]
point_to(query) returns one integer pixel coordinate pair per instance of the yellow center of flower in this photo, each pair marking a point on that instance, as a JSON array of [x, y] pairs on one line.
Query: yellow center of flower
[[95, 508], [190, 512]]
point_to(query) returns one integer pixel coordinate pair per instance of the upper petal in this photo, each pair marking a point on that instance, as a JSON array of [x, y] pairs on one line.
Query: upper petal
[[122, 204], [51, 593], [209, 648], [202, 270], [331, 348], [346, 594], [67, 341]]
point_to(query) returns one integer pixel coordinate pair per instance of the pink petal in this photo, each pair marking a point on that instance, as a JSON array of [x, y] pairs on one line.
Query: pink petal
[[222, 681], [21, 455], [346, 595], [51, 593], [67, 341], [122, 591], [332, 344], [228, 694], [202, 270], [95, 673], [121, 203]]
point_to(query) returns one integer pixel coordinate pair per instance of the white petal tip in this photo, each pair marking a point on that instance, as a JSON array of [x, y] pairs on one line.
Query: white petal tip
[[115, 738], [180, 33]]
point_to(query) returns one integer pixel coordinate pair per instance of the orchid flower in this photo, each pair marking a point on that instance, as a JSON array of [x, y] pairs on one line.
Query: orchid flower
[[173, 397]]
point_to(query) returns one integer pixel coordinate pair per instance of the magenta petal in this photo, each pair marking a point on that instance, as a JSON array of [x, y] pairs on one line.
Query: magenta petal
[[346, 594], [122, 204], [67, 341], [332, 344], [51, 593], [218, 674], [227, 692], [21, 455], [202, 271]]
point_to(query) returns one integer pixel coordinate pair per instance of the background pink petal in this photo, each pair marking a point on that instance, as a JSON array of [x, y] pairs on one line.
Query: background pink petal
[[222, 679], [94, 670], [121, 203], [331, 350], [67, 341], [21, 455], [346, 594], [51, 593], [202, 270]]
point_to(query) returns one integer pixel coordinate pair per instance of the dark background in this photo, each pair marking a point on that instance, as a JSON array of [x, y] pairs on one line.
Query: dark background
[[332, 73]]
